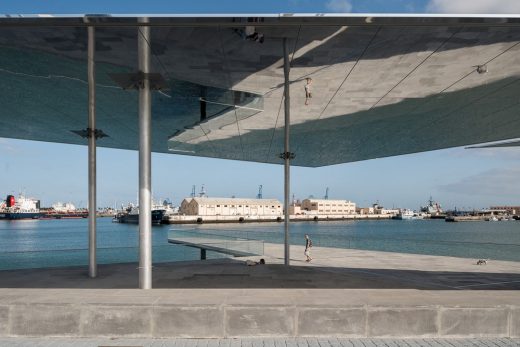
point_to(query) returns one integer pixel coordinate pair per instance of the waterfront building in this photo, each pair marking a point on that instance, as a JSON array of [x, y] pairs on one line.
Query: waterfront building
[[378, 209], [505, 209], [295, 209], [365, 210], [184, 205], [203, 206], [388, 211], [329, 207]]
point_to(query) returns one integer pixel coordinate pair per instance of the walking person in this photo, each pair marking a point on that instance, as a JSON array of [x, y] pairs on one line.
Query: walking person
[[308, 246], [308, 92]]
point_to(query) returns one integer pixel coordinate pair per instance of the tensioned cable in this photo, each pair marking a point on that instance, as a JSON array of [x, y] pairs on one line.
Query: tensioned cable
[[472, 71], [230, 105], [302, 77], [350, 72], [482, 97], [416, 67], [462, 78], [155, 55], [479, 98], [226, 66], [283, 97], [168, 78], [51, 76], [274, 130]]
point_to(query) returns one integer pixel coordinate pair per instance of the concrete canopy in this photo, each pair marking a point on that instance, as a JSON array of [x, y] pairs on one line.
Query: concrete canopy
[[382, 86]]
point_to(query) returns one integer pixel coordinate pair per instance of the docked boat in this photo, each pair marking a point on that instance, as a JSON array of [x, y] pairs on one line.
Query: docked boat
[[64, 211], [406, 214], [131, 214], [433, 210], [20, 208]]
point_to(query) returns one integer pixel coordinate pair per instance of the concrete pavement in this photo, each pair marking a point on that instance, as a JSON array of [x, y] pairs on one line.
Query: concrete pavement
[[342, 293], [272, 342]]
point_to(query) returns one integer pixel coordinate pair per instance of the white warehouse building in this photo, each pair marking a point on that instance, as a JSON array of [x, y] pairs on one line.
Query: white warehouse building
[[323, 206], [203, 206]]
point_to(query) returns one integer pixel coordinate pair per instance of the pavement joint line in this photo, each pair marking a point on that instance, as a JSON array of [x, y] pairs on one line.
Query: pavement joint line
[[486, 284], [392, 276]]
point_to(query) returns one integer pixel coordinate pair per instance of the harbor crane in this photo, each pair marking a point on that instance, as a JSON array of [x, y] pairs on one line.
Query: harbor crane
[[193, 191], [259, 195], [326, 197], [202, 193]]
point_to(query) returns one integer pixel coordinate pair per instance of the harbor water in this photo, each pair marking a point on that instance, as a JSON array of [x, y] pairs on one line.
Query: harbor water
[[54, 243]]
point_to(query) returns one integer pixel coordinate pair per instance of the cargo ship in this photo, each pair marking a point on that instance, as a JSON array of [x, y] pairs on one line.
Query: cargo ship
[[64, 211], [21, 208]]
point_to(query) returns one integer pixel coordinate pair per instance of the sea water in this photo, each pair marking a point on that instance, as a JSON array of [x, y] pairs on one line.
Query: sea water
[[50, 243]]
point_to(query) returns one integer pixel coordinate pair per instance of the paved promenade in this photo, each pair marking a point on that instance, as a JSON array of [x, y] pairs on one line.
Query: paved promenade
[[332, 268], [301, 342], [341, 293]]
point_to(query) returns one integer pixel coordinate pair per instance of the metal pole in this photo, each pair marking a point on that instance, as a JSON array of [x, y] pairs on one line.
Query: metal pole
[[92, 262], [287, 155], [145, 159]]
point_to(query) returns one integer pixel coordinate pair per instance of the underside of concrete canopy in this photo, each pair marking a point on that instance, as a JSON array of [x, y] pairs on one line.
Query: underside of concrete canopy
[[381, 85]]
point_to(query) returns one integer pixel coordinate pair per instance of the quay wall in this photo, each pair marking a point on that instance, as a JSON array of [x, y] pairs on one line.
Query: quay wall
[[186, 219], [264, 320]]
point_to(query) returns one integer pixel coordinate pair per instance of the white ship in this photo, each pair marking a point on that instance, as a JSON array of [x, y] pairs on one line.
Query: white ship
[[407, 214], [20, 208], [64, 207], [433, 208]]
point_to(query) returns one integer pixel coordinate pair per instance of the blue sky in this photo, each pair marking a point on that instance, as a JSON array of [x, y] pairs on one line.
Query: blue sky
[[211, 6], [455, 177]]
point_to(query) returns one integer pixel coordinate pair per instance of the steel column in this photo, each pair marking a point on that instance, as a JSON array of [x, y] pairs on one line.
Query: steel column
[[145, 158], [91, 131], [287, 154]]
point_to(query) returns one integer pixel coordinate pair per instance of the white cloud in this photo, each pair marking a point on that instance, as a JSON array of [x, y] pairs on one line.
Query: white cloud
[[474, 6], [339, 5]]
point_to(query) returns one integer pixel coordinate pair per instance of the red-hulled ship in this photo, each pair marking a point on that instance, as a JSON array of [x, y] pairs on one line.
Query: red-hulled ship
[[21, 208]]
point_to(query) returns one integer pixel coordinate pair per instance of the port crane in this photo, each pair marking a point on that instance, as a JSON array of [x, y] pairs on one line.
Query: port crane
[[326, 197], [202, 193], [259, 195]]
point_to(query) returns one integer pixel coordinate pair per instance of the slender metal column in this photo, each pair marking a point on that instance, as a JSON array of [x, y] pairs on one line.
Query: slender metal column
[[92, 262], [287, 154], [145, 158]]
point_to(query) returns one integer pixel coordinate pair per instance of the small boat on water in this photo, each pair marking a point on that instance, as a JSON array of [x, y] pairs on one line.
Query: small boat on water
[[21, 208]]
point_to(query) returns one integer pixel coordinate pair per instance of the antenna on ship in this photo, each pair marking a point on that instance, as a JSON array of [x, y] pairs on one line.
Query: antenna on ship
[[326, 197], [193, 191], [259, 195]]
